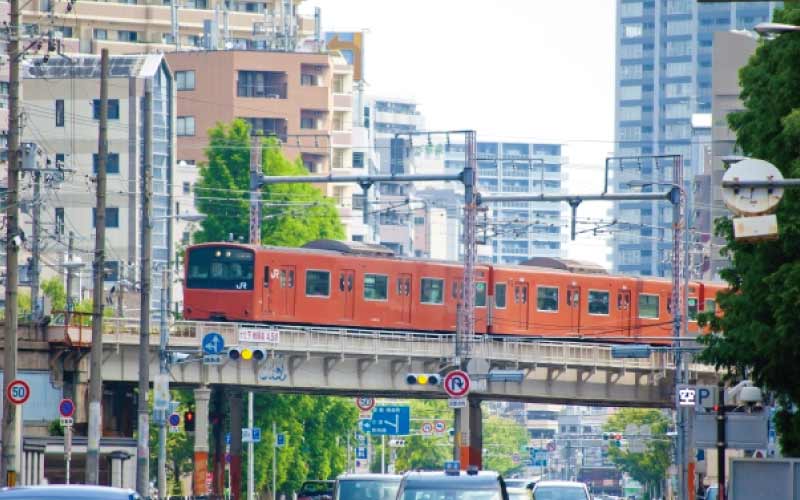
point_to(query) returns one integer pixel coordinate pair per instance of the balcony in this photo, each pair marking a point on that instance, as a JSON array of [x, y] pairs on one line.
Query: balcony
[[263, 84], [263, 91]]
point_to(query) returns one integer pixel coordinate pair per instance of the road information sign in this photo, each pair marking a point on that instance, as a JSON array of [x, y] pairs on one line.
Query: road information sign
[[390, 421], [456, 384], [365, 404], [439, 426], [361, 453], [18, 391], [213, 343]]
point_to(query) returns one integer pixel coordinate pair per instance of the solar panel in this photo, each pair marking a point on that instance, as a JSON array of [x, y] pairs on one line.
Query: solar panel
[[84, 67]]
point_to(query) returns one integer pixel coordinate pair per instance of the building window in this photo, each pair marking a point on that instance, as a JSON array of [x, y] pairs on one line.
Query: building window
[[127, 36], [59, 112], [307, 122], [376, 287], [100, 34], [338, 84], [185, 126], [167, 38], [547, 298], [338, 121], [112, 163], [318, 283], [268, 84], [113, 109], [338, 158], [358, 159], [60, 160], [112, 217], [60, 221], [431, 291], [648, 306], [308, 80], [65, 31], [187, 188], [184, 80]]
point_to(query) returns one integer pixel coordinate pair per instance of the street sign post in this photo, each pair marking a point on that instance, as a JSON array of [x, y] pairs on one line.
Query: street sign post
[[457, 403], [361, 453], [390, 421], [18, 391], [456, 384], [66, 408]]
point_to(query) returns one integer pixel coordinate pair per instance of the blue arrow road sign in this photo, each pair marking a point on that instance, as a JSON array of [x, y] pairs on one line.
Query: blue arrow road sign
[[280, 440], [256, 435], [361, 453], [174, 420], [213, 343], [391, 421], [365, 425]]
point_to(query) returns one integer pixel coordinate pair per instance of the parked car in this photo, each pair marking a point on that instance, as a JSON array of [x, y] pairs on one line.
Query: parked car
[[366, 487], [560, 490], [521, 482], [68, 492], [316, 490], [518, 493]]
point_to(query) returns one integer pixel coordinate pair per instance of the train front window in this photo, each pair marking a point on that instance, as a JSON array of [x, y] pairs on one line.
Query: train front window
[[692, 309], [220, 268]]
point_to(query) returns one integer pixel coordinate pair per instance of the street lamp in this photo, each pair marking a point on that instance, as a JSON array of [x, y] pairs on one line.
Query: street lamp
[[764, 29]]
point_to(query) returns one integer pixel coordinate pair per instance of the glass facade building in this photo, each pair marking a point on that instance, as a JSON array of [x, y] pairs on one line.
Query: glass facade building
[[663, 77]]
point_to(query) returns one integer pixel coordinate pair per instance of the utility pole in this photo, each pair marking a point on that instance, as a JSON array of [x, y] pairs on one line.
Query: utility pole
[[162, 365], [70, 303], [36, 311], [274, 460], [142, 445], [98, 265], [255, 239], [250, 465], [10, 434]]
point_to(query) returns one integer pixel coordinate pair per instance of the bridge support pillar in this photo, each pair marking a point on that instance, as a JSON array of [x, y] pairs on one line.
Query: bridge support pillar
[[236, 445], [469, 434], [201, 397]]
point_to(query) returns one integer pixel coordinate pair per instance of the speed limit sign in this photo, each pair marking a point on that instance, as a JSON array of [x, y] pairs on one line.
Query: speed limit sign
[[18, 391], [365, 404]]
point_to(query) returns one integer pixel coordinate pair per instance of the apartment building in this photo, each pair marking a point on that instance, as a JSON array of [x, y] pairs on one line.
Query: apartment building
[[148, 26], [62, 114], [664, 57]]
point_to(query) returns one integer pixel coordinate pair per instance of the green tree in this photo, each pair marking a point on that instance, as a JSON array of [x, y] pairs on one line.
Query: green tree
[[761, 338], [180, 445], [502, 438], [650, 467], [292, 214], [421, 452]]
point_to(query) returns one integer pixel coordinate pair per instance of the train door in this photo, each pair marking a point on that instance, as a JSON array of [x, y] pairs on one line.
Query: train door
[[624, 310], [521, 295], [404, 297], [574, 305], [266, 292], [279, 291], [347, 278]]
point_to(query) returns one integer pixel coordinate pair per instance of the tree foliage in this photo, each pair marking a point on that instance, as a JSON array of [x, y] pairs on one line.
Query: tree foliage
[[502, 438], [761, 338], [650, 467], [292, 214]]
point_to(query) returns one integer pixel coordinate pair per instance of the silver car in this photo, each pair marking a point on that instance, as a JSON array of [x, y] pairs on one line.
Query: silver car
[[560, 490], [68, 492]]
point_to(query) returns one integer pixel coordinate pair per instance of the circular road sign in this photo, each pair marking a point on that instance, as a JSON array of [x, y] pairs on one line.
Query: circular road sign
[[365, 404], [427, 428], [752, 201], [174, 420], [213, 343], [66, 408], [439, 426], [18, 391], [456, 384]]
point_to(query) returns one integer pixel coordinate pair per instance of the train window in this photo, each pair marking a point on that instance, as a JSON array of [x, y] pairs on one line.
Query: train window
[[711, 306], [290, 284], [431, 291], [692, 309], [221, 268], [266, 276], [500, 295], [376, 287], [648, 306], [318, 283], [480, 294], [598, 302], [403, 286], [547, 298]]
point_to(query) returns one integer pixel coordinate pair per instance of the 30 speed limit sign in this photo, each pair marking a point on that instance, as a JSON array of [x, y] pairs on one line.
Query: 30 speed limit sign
[[18, 391]]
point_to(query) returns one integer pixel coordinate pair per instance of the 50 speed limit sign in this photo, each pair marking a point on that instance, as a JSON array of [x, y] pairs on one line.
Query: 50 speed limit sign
[[18, 391], [365, 404]]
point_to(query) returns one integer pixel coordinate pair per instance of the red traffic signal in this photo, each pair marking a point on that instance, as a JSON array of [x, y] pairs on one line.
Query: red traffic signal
[[188, 421]]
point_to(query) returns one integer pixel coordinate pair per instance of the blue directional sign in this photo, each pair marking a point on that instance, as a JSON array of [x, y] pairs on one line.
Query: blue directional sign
[[256, 435], [361, 453], [213, 343], [390, 421], [538, 457], [228, 438], [280, 440], [365, 425]]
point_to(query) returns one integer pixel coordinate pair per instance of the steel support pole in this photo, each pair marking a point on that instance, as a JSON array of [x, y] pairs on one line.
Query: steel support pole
[[36, 312], [235, 408], [255, 194], [274, 460], [10, 434], [202, 395], [678, 306], [163, 369], [142, 445], [250, 455], [98, 267], [721, 441]]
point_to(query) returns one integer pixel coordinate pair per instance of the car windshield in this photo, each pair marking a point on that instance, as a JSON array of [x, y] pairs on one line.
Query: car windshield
[[351, 489], [517, 483], [315, 488], [451, 494], [560, 493]]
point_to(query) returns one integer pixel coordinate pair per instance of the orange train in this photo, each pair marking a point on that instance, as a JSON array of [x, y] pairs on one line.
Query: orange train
[[355, 285]]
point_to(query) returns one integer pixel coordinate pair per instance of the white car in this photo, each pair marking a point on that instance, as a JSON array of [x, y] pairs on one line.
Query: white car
[[560, 490]]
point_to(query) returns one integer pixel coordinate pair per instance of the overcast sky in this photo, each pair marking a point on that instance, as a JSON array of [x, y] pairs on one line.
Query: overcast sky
[[539, 70]]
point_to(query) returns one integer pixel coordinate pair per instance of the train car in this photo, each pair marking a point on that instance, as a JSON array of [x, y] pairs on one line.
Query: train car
[[332, 283], [335, 284]]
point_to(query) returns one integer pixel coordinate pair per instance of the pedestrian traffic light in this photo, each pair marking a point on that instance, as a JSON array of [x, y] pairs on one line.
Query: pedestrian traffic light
[[188, 421], [423, 379]]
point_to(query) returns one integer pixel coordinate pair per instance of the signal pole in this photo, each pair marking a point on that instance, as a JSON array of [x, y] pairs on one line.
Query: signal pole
[[96, 353], [36, 312]]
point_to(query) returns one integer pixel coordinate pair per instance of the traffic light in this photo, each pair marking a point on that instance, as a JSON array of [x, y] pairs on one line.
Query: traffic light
[[617, 440], [397, 443], [246, 353], [188, 421], [423, 379]]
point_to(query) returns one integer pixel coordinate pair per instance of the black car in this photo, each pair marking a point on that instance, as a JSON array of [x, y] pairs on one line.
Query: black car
[[316, 490]]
